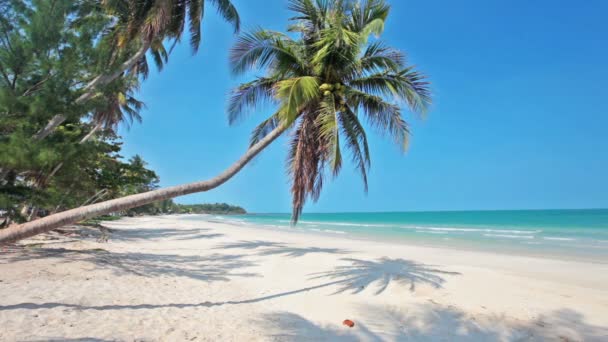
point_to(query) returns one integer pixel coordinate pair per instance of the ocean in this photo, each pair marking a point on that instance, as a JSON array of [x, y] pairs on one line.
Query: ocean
[[567, 234]]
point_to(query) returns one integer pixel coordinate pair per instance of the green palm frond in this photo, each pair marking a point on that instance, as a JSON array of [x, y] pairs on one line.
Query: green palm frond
[[367, 15], [262, 130], [356, 140], [379, 57], [384, 116], [329, 132], [259, 49], [248, 96], [294, 94], [164, 19], [407, 85]]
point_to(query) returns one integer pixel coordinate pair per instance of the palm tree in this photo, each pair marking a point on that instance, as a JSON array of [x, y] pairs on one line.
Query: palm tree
[[319, 83], [323, 82], [143, 26]]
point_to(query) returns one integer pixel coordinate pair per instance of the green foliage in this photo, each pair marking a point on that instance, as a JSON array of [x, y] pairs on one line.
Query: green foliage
[[215, 208], [170, 207], [54, 52], [324, 78]]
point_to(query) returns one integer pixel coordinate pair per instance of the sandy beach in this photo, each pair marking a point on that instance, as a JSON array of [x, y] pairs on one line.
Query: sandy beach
[[172, 279]]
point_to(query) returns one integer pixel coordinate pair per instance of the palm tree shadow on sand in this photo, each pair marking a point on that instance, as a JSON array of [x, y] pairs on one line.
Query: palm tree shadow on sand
[[363, 273], [355, 277], [267, 248], [208, 268], [434, 323]]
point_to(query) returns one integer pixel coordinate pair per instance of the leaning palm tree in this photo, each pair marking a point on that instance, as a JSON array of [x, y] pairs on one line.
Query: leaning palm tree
[[321, 83], [143, 26]]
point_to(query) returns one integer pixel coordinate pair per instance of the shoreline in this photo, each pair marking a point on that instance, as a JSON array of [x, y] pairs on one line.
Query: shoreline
[[169, 278], [407, 241]]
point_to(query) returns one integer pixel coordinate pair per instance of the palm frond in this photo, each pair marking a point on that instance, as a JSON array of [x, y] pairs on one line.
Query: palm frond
[[227, 10], [196, 12], [258, 49], [366, 16], [378, 56], [248, 96], [356, 141], [294, 94], [304, 165], [384, 116], [263, 129], [159, 54], [407, 85], [329, 133]]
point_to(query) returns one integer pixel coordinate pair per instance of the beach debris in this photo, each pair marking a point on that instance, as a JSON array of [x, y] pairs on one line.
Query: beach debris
[[348, 323]]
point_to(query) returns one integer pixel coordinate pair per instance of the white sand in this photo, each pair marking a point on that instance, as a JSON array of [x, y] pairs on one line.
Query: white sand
[[171, 279]]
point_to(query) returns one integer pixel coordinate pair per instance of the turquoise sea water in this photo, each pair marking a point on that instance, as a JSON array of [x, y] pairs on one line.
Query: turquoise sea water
[[562, 233]]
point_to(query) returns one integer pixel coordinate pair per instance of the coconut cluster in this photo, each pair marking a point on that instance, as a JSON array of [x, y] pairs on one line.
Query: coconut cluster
[[336, 89], [328, 89]]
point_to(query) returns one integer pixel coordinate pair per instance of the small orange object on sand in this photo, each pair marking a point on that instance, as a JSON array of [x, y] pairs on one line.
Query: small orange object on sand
[[348, 323]]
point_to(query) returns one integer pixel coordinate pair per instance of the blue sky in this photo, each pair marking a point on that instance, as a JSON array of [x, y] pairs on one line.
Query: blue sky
[[519, 117]]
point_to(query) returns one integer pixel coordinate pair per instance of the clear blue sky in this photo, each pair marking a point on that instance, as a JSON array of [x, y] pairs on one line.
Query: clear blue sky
[[519, 120]]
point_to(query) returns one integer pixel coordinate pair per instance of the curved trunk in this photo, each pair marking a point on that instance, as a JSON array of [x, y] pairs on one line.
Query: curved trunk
[[89, 91], [51, 222]]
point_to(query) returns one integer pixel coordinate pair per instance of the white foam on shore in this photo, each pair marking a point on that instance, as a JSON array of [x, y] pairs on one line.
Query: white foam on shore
[[479, 230], [430, 232], [552, 238], [328, 231], [509, 236]]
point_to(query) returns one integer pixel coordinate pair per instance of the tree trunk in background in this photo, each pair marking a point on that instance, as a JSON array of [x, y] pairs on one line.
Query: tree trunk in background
[[50, 127], [89, 91], [91, 133], [51, 222]]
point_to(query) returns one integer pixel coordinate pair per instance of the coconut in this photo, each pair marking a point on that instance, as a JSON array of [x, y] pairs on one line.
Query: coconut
[[325, 87], [327, 93]]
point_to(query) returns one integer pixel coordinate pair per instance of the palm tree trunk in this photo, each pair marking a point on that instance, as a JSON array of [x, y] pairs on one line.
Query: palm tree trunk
[[91, 133], [71, 216], [89, 90]]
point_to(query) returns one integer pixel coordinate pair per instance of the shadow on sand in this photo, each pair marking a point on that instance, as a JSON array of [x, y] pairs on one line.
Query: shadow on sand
[[362, 273], [265, 248], [162, 233], [434, 323], [63, 339], [214, 267], [355, 278]]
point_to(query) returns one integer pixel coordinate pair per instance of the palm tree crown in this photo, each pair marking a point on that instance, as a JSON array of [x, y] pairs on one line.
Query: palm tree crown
[[322, 82], [157, 21]]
